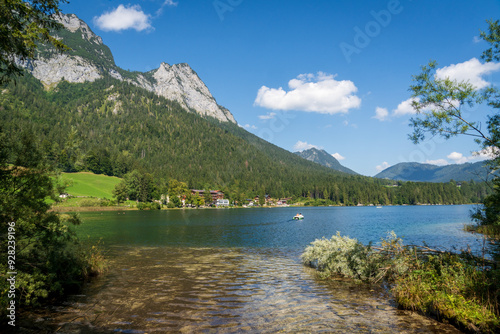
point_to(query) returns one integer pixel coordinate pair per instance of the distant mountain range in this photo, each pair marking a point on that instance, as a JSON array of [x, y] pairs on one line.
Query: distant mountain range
[[418, 172], [408, 171], [324, 158]]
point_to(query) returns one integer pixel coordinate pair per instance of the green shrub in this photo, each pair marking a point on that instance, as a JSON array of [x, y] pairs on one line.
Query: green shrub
[[449, 286], [51, 270], [148, 206], [461, 288], [94, 262], [341, 256], [92, 202]]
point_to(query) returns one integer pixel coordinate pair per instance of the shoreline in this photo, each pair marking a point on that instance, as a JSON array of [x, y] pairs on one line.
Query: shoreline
[[117, 208], [65, 209]]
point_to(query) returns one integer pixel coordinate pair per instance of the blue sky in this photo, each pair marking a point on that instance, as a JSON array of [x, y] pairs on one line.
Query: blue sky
[[329, 74]]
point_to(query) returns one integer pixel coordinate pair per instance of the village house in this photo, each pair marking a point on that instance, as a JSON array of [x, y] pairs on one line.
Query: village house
[[283, 201], [221, 202], [269, 200], [216, 194]]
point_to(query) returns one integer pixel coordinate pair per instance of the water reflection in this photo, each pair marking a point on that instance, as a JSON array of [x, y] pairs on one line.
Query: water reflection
[[227, 290], [439, 226]]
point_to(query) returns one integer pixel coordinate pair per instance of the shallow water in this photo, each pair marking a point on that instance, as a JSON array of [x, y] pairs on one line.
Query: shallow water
[[234, 271]]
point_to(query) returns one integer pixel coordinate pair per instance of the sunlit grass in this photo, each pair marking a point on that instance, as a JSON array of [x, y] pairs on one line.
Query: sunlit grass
[[492, 231], [459, 288], [89, 184]]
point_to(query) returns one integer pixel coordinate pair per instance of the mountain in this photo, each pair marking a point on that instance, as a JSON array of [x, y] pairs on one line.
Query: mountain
[[89, 59], [325, 159], [113, 127], [103, 119], [418, 172]]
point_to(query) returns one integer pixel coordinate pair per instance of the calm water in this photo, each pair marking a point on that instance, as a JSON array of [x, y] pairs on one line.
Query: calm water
[[438, 226], [233, 271]]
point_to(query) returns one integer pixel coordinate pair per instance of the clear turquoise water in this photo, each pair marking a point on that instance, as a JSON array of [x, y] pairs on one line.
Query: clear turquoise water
[[239, 271], [438, 226]]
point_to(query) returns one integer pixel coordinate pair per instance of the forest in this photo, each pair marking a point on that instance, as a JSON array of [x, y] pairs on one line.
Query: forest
[[112, 127]]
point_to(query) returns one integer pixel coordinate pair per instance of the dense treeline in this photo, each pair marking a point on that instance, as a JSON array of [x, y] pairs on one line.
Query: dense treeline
[[111, 127]]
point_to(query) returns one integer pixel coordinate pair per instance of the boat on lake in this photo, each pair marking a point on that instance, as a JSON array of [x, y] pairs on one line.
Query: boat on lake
[[298, 216]]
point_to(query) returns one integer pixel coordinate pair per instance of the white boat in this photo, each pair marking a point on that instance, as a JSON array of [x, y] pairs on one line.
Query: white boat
[[298, 216]]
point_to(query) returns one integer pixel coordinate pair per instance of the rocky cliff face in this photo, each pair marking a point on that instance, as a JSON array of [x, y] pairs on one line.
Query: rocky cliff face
[[73, 24], [52, 70], [90, 59], [180, 83]]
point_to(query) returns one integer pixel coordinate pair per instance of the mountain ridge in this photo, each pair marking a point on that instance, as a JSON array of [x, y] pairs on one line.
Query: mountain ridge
[[420, 172], [324, 158], [90, 59], [112, 125]]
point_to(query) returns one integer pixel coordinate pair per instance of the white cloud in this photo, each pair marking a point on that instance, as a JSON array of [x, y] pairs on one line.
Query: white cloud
[[457, 157], [312, 93], [170, 3], [124, 17], [338, 156], [486, 154], [248, 126], [472, 70], [439, 162], [166, 3], [270, 115], [383, 166], [476, 39], [381, 114], [405, 107], [303, 145], [352, 125]]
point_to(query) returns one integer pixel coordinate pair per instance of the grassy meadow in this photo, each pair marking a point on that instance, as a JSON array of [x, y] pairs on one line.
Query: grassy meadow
[[89, 185], [89, 192]]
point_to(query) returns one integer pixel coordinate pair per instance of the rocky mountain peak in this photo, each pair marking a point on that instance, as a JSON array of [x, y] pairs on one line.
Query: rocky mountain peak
[[324, 158], [179, 82], [72, 23], [90, 59]]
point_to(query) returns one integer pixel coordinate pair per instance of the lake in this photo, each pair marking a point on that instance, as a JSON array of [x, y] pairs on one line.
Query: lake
[[239, 270]]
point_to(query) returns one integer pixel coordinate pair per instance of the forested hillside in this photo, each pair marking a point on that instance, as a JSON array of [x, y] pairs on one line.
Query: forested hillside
[[112, 127], [418, 172], [106, 120], [325, 159]]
